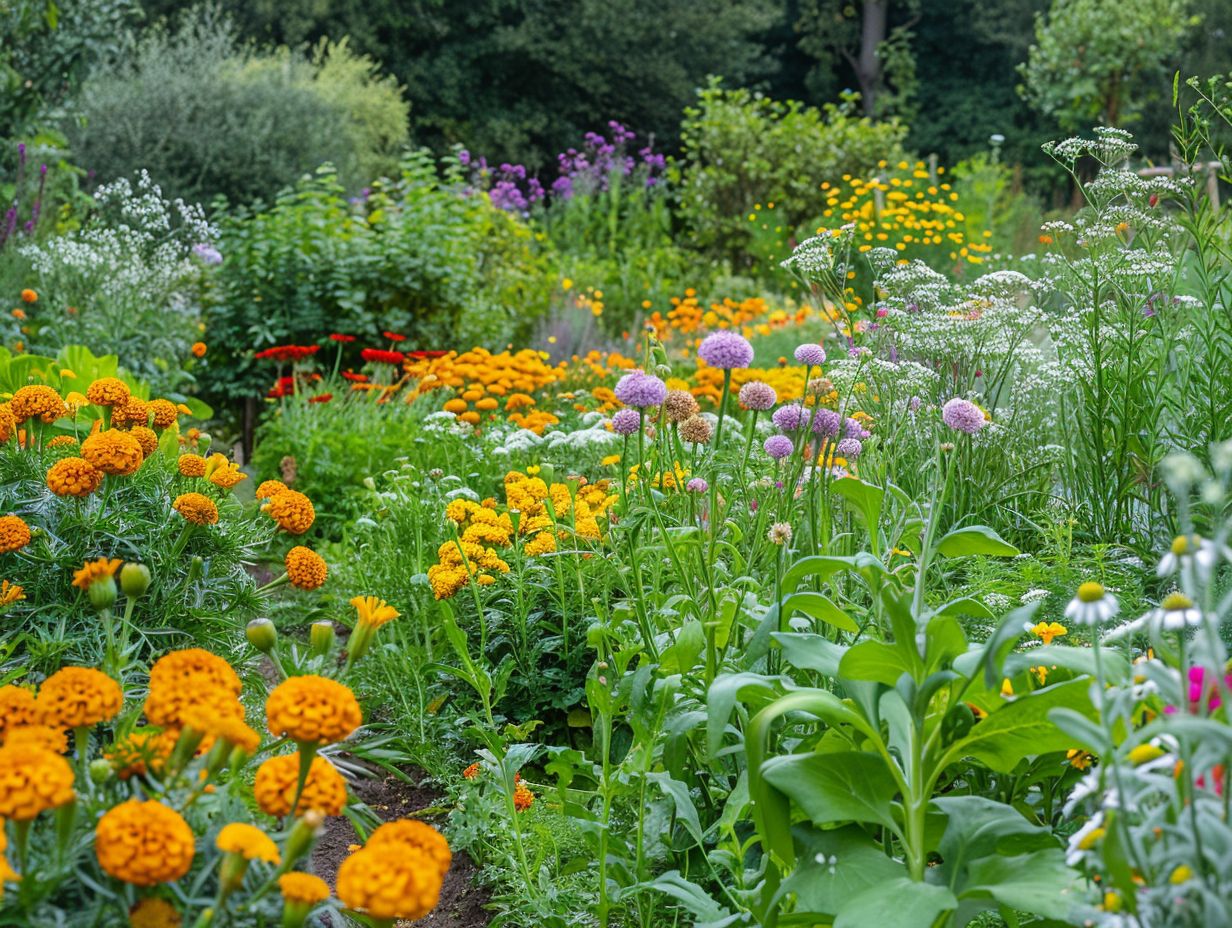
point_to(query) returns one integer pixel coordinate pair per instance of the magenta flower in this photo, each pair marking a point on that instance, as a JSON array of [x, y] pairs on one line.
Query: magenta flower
[[963, 416], [640, 390], [725, 350], [758, 396], [626, 421]]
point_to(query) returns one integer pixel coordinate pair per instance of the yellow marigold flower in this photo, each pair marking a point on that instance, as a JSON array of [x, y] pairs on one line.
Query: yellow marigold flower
[[8, 424], [165, 413], [413, 834], [135, 411], [306, 569], [145, 438], [274, 787], [196, 508], [187, 678], [311, 708], [523, 798], [1046, 631], [37, 401], [373, 612], [32, 780], [248, 841], [14, 534], [10, 593], [191, 465], [387, 885], [73, 477], [227, 475], [93, 571], [303, 888], [198, 349], [219, 721], [292, 511], [108, 391], [269, 488], [144, 843], [29, 296], [41, 736], [78, 697], [17, 708], [471, 772], [140, 751], [153, 912], [63, 441], [113, 452]]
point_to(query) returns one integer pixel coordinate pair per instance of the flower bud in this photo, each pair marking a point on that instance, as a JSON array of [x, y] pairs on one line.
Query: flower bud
[[134, 580], [100, 770], [321, 638], [203, 442], [370, 483], [195, 568], [102, 593], [303, 835], [262, 635]]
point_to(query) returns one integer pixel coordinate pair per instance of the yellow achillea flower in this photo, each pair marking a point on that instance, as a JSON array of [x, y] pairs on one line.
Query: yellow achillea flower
[[41, 736], [250, 842], [191, 465], [108, 391], [14, 534], [292, 511], [303, 888], [73, 476], [78, 697], [312, 710], [17, 708], [93, 571], [306, 569], [10, 593], [196, 508], [416, 835], [113, 452], [153, 912], [165, 413], [385, 885], [144, 843], [187, 678], [37, 401], [32, 780], [269, 488], [276, 780], [373, 612]]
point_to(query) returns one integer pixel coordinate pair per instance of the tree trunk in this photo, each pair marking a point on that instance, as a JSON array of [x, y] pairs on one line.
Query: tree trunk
[[868, 65]]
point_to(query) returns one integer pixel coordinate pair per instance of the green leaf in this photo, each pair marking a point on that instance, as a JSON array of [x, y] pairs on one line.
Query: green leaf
[[848, 787], [897, 903], [1080, 660], [807, 651], [876, 661], [679, 794], [866, 498], [974, 539], [836, 865], [1038, 882], [820, 566], [819, 607], [682, 655], [977, 826]]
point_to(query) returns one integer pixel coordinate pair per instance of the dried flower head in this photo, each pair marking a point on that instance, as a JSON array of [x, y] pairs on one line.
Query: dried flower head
[[696, 430], [680, 405]]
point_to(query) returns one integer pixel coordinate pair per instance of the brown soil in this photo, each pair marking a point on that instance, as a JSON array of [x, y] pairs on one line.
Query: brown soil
[[462, 903]]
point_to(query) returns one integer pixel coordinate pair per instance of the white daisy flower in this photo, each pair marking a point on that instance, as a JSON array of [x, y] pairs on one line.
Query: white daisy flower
[[1175, 613], [1092, 605]]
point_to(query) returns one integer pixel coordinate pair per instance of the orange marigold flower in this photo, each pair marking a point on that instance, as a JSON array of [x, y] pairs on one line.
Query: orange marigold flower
[[153, 912], [146, 438], [113, 452], [17, 708], [196, 508], [78, 697], [144, 843], [134, 412], [248, 841], [269, 488], [415, 835], [227, 475], [29, 296], [312, 709], [472, 771], [10, 593], [37, 400], [14, 534], [220, 722], [305, 568], [387, 885], [373, 612], [140, 751], [191, 465], [93, 571], [276, 780], [63, 441], [73, 477], [191, 677], [32, 780], [108, 391], [303, 888], [523, 798], [8, 424], [198, 349], [165, 413], [41, 736], [292, 511]]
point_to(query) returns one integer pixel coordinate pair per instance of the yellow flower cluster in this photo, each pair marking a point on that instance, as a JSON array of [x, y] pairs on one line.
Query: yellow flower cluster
[[312, 709], [275, 785], [397, 874], [688, 318], [482, 383], [144, 843]]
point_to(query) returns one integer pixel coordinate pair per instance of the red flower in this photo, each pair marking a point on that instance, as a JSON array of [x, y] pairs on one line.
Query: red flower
[[355, 378], [284, 387], [377, 356], [321, 398], [339, 337], [426, 355], [287, 353], [394, 336]]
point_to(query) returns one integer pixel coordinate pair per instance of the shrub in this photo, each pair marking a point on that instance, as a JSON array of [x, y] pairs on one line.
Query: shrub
[[207, 115], [742, 149]]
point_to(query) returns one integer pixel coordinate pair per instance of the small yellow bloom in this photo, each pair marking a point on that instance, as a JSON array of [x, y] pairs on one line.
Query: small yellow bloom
[[1144, 753], [1182, 874]]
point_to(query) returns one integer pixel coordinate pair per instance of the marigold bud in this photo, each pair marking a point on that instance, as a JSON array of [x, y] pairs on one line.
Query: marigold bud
[[134, 580], [321, 638], [262, 635], [102, 593]]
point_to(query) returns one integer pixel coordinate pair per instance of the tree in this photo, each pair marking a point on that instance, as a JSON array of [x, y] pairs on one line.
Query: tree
[[1098, 60]]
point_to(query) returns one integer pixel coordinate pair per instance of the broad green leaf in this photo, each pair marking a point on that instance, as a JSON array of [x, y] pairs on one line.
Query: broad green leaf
[[1038, 882], [1115, 666], [683, 653], [679, 794], [897, 903], [864, 497], [820, 566], [807, 651], [876, 661], [974, 539], [836, 865], [820, 608], [829, 788], [977, 826], [966, 606], [725, 692], [688, 894]]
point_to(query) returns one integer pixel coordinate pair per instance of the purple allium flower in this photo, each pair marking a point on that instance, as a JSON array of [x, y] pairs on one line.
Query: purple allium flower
[[207, 253], [697, 485], [914, 404], [811, 354], [778, 446], [626, 421], [853, 429], [963, 416], [826, 423], [790, 417], [640, 390], [757, 395], [849, 448], [725, 350]]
